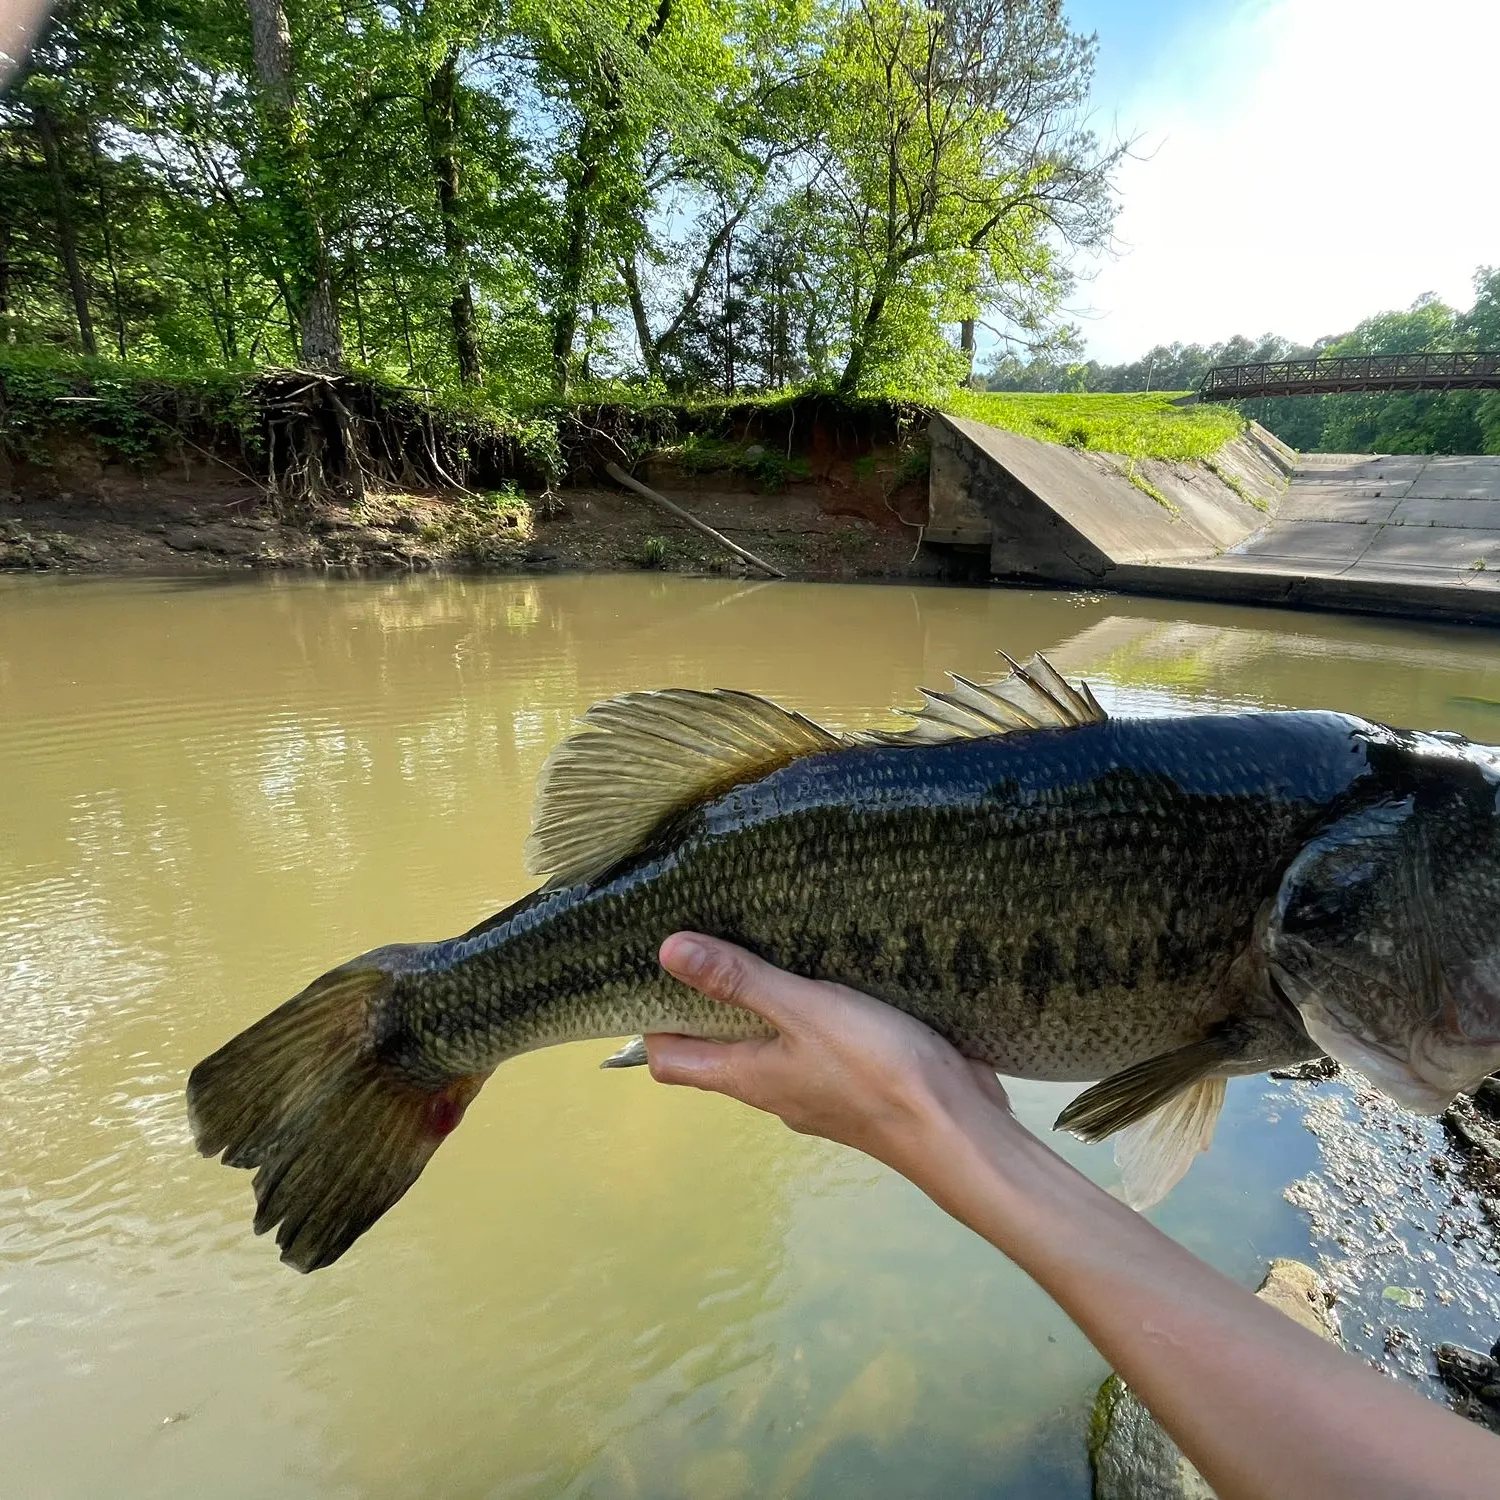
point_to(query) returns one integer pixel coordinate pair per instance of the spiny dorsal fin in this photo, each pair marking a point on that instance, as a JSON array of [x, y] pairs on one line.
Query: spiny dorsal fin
[[1031, 697], [642, 757]]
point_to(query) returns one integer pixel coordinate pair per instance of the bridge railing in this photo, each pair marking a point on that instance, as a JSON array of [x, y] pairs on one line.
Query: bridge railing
[[1352, 372]]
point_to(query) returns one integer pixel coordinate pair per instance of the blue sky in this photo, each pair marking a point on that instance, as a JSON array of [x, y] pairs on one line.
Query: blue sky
[[1303, 163]]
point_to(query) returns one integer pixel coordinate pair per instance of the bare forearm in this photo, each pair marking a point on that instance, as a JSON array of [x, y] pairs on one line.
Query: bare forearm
[[1261, 1406]]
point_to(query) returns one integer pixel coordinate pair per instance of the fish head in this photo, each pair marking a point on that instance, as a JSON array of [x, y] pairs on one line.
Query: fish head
[[1385, 933]]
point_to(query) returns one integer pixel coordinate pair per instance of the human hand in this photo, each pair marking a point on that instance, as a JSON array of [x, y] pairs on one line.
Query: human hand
[[842, 1065]]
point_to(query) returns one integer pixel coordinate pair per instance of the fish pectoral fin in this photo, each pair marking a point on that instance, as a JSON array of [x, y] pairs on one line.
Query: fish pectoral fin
[[1153, 1155], [1130, 1095], [631, 1055]]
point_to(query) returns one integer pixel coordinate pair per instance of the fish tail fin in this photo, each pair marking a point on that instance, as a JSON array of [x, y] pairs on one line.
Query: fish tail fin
[[337, 1134]]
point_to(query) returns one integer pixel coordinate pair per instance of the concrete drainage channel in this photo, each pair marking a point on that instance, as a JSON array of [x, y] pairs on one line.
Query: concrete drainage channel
[[1411, 535]]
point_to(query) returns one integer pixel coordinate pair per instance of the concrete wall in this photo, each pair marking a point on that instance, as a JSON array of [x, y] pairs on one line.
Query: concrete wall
[[1057, 514]]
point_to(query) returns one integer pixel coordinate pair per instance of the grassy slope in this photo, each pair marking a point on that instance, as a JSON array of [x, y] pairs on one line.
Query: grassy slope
[[1137, 425]]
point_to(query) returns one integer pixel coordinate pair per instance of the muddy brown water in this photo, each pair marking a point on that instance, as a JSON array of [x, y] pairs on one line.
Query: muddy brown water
[[210, 792]]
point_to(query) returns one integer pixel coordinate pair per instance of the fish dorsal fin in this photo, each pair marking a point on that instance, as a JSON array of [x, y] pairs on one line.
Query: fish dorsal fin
[[642, 757], [1035, 696]]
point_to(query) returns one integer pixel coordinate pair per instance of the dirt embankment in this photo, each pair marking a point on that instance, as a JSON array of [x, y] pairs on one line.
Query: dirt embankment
[[820, 492]]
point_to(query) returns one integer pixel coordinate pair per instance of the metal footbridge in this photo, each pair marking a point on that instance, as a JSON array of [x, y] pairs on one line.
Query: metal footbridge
[[1352, 372]]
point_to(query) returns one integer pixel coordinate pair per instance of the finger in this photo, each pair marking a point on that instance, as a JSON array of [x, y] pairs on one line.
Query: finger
[[695, 1063], [724, 972]]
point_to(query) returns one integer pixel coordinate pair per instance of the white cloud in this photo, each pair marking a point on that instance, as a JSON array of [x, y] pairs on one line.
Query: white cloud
[[1312, 162]]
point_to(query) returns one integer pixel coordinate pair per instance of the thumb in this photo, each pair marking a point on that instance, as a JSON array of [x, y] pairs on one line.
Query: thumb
[[725, 972]]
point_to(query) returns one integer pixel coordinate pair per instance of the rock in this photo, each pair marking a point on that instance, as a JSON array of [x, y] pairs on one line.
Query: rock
[[1132, 1456], [1475, 1133], [1474, 1380], [754, 453], [1299, 1292], [1316, 1070], [1487, 1097], [223, 539]]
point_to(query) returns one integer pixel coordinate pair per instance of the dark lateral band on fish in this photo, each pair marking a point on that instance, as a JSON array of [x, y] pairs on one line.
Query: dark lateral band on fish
[[1162, 904]]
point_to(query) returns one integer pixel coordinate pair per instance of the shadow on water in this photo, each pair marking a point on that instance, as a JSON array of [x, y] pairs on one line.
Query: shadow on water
[[599, 1288]]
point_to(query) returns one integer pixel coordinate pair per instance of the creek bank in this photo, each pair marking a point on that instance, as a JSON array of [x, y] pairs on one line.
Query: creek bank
[[291, 469], [167, 529]]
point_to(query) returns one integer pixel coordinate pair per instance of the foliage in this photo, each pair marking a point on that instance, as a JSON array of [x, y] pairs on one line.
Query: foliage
[[655, 551], [528, 200], [772, 468], [1394, 422], [1137, 426], [278, 427]]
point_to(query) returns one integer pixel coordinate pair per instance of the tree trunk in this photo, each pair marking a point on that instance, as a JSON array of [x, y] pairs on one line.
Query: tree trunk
[[230, 339], [600, 138], [650, 353], [318, 323], [109, 243], [440, 113], [359, 318], [5, 322], [855, 367], [575, 255], [67, 242], [728, 315], [285, 173]]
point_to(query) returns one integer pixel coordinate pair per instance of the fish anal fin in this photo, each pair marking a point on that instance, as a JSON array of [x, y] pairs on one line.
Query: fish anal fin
[[642, 757], [631, 1055], [1031, 696], [1154, 1154]]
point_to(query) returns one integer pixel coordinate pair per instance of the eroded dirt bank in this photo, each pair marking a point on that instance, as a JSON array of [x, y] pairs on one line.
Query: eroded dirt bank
[[174, 528], [819, 489]]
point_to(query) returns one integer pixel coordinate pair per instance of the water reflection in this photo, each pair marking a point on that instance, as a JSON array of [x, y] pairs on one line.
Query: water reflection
[[599, 1288]]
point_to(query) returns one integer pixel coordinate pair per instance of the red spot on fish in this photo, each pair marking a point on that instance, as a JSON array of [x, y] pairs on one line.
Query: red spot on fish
[[445, 1112]]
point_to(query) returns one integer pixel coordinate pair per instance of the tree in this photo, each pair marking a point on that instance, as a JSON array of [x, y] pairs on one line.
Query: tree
[[440, 112], [953, 161]]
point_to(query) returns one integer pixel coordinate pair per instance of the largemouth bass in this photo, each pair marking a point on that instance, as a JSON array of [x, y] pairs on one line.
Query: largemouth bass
[[1160, 903]]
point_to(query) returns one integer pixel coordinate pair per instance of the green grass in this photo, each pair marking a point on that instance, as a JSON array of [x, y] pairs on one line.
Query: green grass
[[1136, 425], [702, 454]]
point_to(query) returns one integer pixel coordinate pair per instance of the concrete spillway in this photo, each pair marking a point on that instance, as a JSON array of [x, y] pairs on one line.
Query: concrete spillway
[[1410, 535]]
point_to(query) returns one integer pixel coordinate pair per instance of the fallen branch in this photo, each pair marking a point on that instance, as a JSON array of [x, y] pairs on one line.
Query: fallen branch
[[619, 476]]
